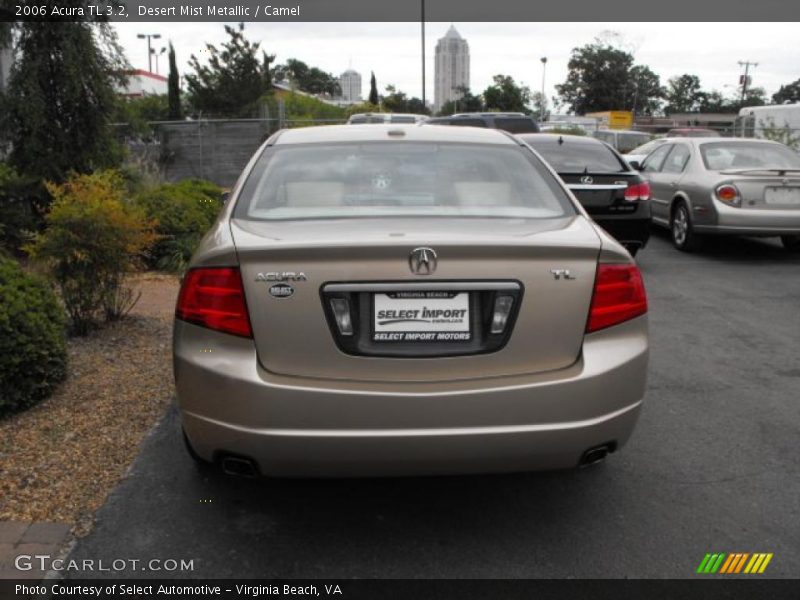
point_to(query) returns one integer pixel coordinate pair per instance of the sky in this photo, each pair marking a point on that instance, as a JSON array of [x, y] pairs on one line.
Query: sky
[[393, 50]]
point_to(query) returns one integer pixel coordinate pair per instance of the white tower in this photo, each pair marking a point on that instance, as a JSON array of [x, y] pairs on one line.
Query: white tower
[[452, 68]]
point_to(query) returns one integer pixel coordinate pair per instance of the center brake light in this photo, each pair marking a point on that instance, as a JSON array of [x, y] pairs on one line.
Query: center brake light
[[213, 297], [618, 296], [637, 191]]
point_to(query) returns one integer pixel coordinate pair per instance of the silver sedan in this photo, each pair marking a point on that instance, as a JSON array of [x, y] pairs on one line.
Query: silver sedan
[[734, 186]]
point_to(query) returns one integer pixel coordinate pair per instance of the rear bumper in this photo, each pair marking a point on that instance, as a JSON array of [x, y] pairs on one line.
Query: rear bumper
[[748, 221], [330, 428]]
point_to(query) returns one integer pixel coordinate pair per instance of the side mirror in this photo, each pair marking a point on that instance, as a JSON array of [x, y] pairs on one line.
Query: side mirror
[[223, 197]]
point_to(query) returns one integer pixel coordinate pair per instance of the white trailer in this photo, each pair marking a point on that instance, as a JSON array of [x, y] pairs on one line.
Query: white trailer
[[767, 122]]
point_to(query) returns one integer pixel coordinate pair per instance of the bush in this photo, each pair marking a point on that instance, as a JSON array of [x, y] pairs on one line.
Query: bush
[[33, 355], [93, 238], [184, 212]]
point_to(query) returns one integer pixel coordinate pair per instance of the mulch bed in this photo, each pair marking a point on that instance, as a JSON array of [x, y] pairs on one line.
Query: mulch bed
[[59, 460]]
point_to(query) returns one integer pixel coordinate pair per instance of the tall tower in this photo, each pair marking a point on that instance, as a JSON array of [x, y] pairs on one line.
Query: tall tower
[[350, 82], [452, 68]]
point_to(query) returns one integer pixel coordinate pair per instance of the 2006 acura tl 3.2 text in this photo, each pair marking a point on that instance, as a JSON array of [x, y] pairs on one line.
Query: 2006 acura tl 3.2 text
[[406, 299]]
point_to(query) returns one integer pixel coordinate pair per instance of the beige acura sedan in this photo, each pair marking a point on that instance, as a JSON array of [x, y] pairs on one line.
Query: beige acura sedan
[[396, 300]]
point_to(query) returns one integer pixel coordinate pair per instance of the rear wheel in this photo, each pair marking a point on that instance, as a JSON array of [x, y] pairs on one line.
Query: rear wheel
[[684, 237], [791, 242]]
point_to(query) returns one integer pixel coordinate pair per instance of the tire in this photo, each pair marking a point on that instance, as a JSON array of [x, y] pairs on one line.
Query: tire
[[681, 230], [791, 242]]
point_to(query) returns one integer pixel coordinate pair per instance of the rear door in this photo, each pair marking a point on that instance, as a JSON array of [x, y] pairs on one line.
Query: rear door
[[661, 191]]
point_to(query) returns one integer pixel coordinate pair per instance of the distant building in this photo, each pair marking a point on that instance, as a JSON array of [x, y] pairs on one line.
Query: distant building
[[350, 83], [452, 68], [6, 58], [143, 83]]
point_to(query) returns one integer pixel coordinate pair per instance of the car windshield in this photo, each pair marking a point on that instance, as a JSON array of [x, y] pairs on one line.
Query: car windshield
[[578, 157], [720, 156], [515, 124], [318, 181], [648, 147]]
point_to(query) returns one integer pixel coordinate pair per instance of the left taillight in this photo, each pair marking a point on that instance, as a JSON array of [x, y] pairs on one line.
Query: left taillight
[[637, 191], [213, 297], [618, 296]]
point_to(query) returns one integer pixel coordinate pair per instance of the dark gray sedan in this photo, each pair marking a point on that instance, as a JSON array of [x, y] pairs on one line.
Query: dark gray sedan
[[734, 186]]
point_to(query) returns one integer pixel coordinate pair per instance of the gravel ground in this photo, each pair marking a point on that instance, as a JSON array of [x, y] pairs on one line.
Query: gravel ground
[[59, 459]]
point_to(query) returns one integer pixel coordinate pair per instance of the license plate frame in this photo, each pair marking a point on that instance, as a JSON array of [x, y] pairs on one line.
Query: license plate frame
[[421, 317], [782, 195]]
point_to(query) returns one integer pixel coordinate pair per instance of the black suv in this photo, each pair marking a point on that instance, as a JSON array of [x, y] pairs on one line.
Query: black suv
[[510, 122]]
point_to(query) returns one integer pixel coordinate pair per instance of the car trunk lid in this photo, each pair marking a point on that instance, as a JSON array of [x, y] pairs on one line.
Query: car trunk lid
[[551, 261]]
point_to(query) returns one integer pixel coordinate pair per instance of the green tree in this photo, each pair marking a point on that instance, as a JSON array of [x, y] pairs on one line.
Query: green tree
[[373, 90], [505, 95], [233, 82], [645, 92], [60, 99], [788, 93], [174, 90], [683, 94], [598, 79]]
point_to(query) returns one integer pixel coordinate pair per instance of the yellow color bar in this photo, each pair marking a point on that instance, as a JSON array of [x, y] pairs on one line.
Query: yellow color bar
[[754, 562], [765, 563]]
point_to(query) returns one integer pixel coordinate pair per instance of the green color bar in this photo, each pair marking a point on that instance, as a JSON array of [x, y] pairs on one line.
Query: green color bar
[[718, 564], [701, 568]]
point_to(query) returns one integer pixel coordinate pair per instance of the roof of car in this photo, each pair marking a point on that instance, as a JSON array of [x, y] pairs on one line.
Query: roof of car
[[706, 140], [390, 132], [552, 138]]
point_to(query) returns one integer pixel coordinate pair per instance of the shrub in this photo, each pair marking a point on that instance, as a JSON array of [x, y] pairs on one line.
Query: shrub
[[93, 238], [33, 355], [184, 212]]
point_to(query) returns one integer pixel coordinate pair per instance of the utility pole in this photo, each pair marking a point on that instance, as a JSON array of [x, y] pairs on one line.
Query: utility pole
[[746, 64], [422, 20]]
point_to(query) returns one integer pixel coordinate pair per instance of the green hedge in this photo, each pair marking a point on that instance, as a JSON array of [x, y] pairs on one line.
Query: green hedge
[[184, 212], [33, 355]]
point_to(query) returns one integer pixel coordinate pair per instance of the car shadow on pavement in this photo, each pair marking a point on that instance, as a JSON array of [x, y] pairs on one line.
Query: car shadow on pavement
[[735, 249]]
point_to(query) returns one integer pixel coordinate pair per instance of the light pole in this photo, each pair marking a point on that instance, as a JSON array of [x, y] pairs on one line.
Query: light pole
[[157, 54], [544, 70], [422, 35], [155, 36]]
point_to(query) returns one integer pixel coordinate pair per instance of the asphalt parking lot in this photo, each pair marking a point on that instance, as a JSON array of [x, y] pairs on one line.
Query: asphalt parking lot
[[714, 466]]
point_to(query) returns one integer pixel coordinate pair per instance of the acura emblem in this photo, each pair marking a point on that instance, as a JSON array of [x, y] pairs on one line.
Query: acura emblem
[[422, 261], [587, 180]]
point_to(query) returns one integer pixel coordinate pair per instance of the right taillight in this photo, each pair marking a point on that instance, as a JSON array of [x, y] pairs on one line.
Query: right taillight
[[214, 298], [637, 191], [618, 296]]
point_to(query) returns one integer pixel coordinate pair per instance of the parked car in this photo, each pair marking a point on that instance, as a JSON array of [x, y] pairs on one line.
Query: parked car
[[725, 186], [692, 132], [385, 300], [622, 140], [636, 156], [511, 122], [362, 118], [614, 194]]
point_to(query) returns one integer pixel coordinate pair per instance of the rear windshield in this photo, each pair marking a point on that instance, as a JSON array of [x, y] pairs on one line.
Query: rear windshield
[[628, 141], [402, 119], [319, 181], [720, 156], [516, 124], [578, 157]]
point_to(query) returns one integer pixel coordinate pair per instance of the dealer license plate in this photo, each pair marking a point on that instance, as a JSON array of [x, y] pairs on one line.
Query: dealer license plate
[[782, 195], [425, 316]]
